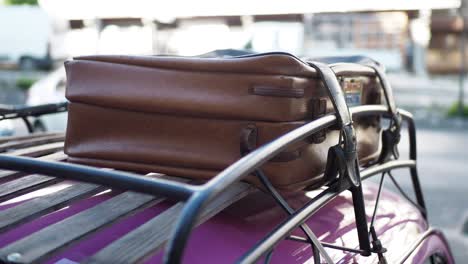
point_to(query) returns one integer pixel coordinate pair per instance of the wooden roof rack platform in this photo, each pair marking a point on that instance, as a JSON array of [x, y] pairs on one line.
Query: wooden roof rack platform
[[150, 236], [34, 163]]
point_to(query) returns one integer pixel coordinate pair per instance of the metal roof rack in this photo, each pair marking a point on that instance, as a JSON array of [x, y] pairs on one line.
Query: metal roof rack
[[13, 112], [197, 197]]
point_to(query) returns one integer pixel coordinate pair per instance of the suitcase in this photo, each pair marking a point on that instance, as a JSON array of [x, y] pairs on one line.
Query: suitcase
[[194, 116]]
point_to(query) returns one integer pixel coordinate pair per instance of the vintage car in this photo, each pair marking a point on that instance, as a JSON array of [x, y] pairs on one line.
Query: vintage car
[[54, 211]]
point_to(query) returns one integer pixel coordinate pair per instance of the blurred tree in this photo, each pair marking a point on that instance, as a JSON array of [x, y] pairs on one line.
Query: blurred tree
[[21, 2]]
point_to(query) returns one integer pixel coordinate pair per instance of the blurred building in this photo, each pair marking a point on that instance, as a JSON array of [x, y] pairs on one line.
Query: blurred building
[[382, 35], [444, 54], [448, 49], [394, 32]]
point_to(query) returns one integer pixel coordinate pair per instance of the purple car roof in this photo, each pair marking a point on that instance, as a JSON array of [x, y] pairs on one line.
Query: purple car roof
[[69, 222]]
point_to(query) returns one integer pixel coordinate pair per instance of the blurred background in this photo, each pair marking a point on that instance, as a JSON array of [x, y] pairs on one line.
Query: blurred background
[[422, 43]]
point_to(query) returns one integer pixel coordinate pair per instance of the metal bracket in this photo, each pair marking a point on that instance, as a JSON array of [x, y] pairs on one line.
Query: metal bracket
[[390, 139]]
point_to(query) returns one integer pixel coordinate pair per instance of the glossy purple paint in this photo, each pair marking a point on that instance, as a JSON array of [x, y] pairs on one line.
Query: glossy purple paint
[[435, 242], [37, 224], [228, 235]]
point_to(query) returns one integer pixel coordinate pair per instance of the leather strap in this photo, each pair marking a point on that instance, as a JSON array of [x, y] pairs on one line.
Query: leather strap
[[349, 163], [388, 93], [390, 136], [334, 91], [342, 158]]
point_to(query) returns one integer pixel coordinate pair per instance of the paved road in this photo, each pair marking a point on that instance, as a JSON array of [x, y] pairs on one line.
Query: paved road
[[442, 152], [443, 171]]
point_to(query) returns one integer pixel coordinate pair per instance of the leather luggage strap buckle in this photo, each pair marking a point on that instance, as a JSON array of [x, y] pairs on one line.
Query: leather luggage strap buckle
[[350, 155], [342, 158]]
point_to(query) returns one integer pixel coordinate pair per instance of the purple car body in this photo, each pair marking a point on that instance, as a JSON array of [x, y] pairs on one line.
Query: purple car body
[[227, 236]]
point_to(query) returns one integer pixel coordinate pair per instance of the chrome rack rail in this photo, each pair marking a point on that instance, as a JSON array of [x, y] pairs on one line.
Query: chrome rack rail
[[13, 112], [344, 176], [301, 215], [198, 196]]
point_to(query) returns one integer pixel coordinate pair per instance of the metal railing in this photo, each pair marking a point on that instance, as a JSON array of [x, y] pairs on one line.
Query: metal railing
[[198, 196]]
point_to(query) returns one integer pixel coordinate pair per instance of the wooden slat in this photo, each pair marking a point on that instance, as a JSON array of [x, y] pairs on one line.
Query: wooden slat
[[38, 151], [150, 236], [24, 143], [7, 174], [26, 137], [23, 185], [41, 244], [58, 156], [53, 237], [46, 151], [42, 205]]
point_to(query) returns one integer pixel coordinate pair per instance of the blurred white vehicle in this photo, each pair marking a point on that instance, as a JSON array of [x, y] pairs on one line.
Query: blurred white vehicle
[[50, 89], [6, 128]]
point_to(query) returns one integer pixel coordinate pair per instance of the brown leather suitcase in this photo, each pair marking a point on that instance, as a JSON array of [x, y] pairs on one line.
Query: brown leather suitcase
[[193, 117]]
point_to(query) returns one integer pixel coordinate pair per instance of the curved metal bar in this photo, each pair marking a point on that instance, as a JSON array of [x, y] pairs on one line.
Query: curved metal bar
[[369, 69], [117, 179], [386, 88], [23, 112], [403, 193], [12, 112], [301, 215], [248, 164], [28, 124], [343, 69], [230, 175], [324, 244], [420, 240], [390, 165], [285, 228], [313, 240], [198, 196], [408, 117], [413, 171]]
